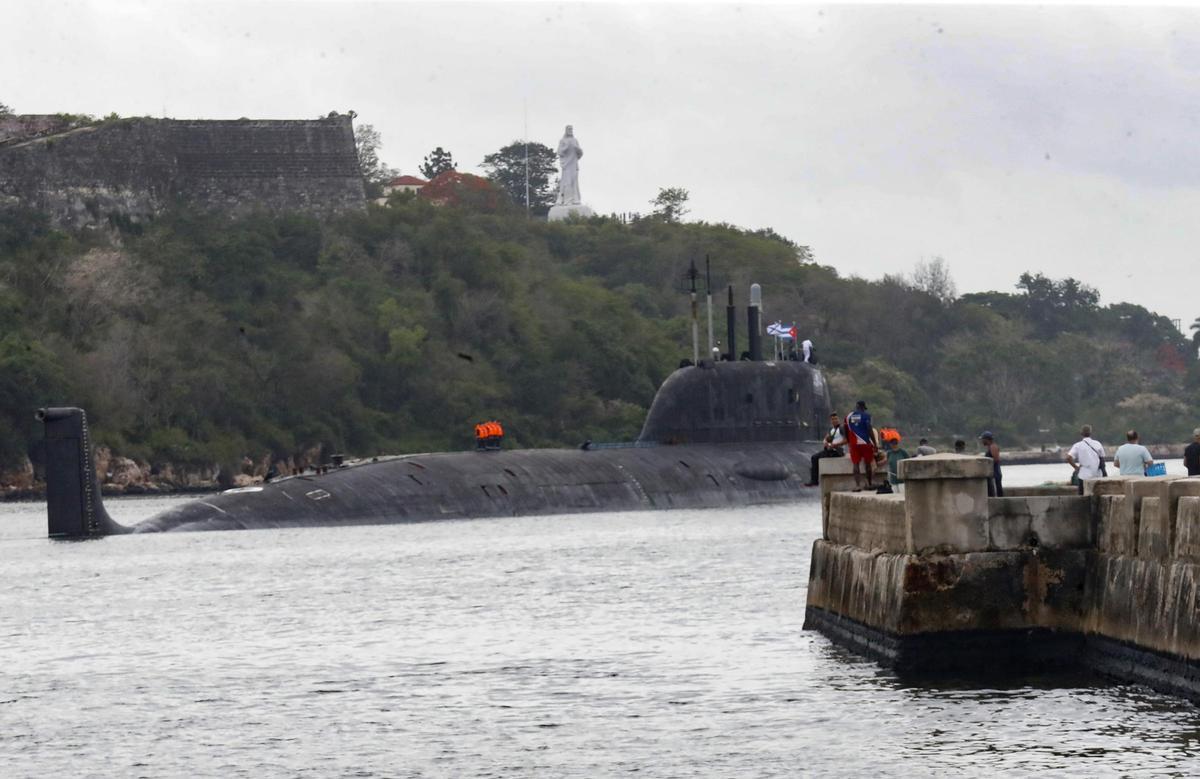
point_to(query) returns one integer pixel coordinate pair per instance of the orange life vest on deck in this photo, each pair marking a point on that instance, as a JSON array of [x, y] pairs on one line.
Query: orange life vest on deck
[[480, 431], [499, 430]]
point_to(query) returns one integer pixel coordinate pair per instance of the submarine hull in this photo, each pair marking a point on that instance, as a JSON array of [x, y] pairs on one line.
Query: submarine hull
[[470, 485], [717, 435]]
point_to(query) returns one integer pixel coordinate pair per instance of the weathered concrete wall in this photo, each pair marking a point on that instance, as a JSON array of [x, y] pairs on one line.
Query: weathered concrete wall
[[1118, 525], [1187, 530], [836, 475], [864, 586], [946, 503], [1039, 491], [966, 613], [1155, 532], [979, 591], [868, 521], [1058, 522], [1151, 603], [1109, 485], [133, 168], [1111, 580], [884, 523]]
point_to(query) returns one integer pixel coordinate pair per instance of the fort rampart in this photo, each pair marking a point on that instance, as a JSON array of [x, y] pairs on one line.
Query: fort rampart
[[133, 168], [946, 579]]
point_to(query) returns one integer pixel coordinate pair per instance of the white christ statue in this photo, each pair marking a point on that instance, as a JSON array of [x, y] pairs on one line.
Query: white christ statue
[[569, 152]]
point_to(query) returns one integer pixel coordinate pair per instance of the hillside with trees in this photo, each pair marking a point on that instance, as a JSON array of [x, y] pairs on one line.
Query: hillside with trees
[[197, 339]]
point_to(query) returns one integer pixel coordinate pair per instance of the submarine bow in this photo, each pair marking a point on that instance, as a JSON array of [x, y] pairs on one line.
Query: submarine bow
[[717, 435]]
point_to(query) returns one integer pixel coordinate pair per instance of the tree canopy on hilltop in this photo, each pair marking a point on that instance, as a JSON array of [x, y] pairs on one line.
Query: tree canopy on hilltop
[[507, 167], [437, 162], [375, 173]]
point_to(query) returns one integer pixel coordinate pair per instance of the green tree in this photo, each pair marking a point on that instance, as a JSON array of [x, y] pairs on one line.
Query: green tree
[[30, 376], [5, 110], [1056, 306], [933, 277], [374, 172], [671, 204], [437, 161], [506, 168], [998, 376]]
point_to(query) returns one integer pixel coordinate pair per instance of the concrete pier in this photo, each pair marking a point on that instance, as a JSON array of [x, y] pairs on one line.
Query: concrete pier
[[945, 579]]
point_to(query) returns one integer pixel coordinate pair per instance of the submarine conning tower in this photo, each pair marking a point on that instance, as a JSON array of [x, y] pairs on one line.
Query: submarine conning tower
[[739, 402]]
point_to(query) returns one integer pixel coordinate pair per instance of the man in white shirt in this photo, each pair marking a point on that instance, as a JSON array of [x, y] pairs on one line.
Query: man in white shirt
[[1131, 457], [807, 347], [1086, 457], [834, 443]]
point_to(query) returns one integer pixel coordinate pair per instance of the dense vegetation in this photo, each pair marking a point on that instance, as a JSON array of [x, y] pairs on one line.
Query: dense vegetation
[[197, 339]]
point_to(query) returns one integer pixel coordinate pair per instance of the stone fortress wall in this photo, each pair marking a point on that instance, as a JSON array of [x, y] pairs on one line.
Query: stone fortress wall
[[133, 168], [23, 127]]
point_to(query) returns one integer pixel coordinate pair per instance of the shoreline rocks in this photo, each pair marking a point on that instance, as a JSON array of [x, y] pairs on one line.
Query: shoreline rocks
[[121, 475]]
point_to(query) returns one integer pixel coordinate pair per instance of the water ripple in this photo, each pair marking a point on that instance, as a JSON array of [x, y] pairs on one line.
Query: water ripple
[[656, 644]]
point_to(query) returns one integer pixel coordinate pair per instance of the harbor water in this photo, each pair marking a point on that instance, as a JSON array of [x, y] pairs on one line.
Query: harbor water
[[662, 644]]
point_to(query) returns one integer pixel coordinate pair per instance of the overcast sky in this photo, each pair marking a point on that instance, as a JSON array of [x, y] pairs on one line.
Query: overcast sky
[[1062, 139]]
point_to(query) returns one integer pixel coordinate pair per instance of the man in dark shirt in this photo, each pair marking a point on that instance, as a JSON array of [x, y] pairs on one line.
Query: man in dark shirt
[[1191, 455]]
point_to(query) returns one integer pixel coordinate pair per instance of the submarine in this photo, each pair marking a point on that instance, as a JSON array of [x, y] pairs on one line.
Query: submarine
[[725, 433]]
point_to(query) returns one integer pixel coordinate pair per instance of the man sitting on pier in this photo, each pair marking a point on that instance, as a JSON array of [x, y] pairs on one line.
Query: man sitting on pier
[[833, 447]]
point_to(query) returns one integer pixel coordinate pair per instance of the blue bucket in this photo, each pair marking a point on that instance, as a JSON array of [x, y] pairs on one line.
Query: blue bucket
[[1157, 469]]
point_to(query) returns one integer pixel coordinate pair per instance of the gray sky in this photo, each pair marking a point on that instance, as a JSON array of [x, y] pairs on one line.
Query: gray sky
[[1058, 139]]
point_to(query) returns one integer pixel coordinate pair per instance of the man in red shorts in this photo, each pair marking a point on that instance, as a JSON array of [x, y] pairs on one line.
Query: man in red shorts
[[862, 441]]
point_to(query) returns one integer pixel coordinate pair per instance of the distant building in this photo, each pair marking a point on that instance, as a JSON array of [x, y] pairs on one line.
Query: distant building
[[404, 184]]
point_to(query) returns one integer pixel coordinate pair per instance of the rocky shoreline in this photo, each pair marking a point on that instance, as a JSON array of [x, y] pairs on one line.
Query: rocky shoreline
[[125, 476]]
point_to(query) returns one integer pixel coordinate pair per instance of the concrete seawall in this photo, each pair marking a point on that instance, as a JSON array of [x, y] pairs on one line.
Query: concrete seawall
[[944, 578]]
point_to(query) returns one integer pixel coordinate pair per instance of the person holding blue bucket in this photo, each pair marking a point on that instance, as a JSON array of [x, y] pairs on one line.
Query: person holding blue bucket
[[1132, 458]]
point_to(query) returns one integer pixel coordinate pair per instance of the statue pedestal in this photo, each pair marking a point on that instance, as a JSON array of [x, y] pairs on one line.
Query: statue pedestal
[[561, 213]]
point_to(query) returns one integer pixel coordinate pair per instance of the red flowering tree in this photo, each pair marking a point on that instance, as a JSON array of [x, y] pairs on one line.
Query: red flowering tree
[[452, 188]]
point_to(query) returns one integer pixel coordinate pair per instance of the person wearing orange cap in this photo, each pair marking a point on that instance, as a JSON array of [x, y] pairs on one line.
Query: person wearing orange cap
[[895, 453]]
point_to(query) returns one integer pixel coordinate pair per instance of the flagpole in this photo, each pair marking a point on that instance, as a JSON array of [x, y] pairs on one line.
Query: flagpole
[[526, 107], [695, 318], [708, 297]]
